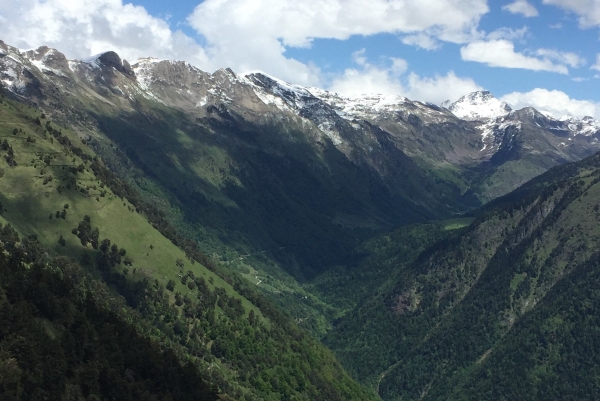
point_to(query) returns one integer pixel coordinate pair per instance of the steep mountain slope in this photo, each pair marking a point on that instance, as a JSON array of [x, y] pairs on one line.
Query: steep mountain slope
[[521, 147], [66, 336], [69, 209], [271, 177], [498, 301], [240, 168], [212, 141], [280, 182]]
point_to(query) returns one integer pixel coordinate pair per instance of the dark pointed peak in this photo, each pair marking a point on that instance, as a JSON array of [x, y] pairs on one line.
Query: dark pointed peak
[[261, 79], [111, 59]]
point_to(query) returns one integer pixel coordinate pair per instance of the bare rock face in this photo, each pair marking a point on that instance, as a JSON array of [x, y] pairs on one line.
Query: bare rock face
[[112, 59], [52, 59]]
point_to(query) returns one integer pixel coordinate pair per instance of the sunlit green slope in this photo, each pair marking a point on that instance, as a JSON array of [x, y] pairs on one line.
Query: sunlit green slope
[[61, 199]]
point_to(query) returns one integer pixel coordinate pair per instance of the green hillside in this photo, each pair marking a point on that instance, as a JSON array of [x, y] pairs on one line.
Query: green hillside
[[501, 309], [179, 212], [277, 185], [57, 195]]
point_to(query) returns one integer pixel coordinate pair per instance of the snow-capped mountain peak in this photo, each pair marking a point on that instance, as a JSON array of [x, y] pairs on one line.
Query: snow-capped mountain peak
[[478, 106]]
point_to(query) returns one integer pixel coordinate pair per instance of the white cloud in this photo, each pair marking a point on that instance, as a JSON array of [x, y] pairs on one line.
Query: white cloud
[[521, 7], [86, 27], [587, 10], [568, 58], [393, 81], [439, 88], [297, 23], [241, 34], [507, 34], [399, 65], [253, 34], [421, 40], [501, 53], [370, 78], [556, 102], [596, 66]]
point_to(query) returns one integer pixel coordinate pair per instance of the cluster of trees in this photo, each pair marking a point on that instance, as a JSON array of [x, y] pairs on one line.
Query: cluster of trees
[[87, 234], [65, 336], [10, 153]]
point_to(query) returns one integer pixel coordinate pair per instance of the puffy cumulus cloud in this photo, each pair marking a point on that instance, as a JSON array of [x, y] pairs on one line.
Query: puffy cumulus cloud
[[81, 28], [501, 53], [568, 58], [588, 11], [393, 80], [369, 78], [521, 7], [439, 88], [296, 23], [254, 34], [553, 101]]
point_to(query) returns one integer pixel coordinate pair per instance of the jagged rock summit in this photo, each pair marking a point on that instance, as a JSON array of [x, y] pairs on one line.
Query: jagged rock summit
[[111, 59], [478, 105]]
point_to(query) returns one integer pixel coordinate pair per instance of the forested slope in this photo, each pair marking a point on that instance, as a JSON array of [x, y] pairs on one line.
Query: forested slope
[[59, 197], [502, 309]]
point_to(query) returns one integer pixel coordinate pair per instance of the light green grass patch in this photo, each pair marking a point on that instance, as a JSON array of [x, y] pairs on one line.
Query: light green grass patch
[[516, 280], [453, 224]]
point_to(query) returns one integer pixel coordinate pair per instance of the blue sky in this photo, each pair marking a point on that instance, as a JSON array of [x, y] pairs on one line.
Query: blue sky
[[543, 53]]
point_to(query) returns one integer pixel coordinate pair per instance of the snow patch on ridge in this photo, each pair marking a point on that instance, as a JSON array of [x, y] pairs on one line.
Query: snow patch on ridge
[[350, 107], [492, 132], [586, 126], [11, 76], [478, 106], [143, 71]]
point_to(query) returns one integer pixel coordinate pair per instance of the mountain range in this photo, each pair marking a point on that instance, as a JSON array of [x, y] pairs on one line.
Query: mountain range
[[477, 133], [413, 239]]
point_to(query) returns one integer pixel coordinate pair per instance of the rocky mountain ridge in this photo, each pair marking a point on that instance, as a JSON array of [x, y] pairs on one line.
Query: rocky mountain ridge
[[217, 140], [334, 116]]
